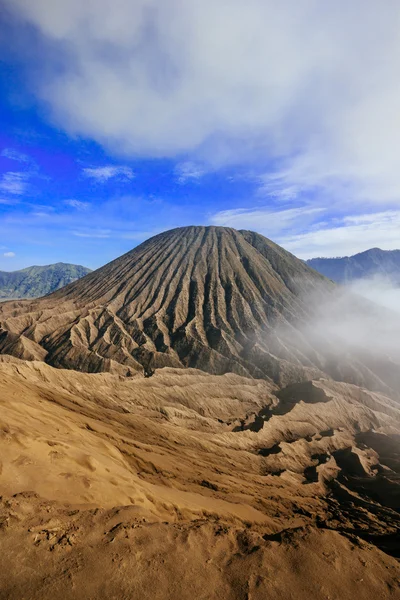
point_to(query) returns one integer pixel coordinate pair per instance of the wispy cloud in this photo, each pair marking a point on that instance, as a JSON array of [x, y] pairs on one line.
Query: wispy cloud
[[189, 171], [15, 183], [309, 231], [116, 234], [12, 154], [94, 233], [77, 204], [265, 220], [9, 254], [346, 236], [104, 173], [9, 201], [277, 185]]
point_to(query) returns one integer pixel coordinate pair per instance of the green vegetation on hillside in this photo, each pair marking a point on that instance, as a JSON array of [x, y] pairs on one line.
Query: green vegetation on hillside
[[34, 282]]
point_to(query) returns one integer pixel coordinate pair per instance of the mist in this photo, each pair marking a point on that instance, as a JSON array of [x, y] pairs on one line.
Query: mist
[[380, 289], [350, 332], [360, 318]]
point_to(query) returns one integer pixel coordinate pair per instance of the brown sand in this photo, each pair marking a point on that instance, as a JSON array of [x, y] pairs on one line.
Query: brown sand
[[194, 485]]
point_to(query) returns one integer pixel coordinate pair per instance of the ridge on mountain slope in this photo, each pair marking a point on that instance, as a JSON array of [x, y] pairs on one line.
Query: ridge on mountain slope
[[205, 297], [212, 298], [365, 264], [36, 281]]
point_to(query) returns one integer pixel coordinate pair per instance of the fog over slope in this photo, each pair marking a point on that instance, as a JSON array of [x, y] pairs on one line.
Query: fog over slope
[[200, 297], [362, 316]]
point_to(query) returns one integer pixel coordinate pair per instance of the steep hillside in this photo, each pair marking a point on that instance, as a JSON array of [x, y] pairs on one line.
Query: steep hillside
[[34, 282], [212, 298], [204, 297], [365, 264]]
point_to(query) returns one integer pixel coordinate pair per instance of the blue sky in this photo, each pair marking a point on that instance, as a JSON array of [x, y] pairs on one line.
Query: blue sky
[[123, 119]]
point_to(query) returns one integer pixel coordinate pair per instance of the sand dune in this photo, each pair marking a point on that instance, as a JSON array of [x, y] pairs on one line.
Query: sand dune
[[218, 486], [49, 552]]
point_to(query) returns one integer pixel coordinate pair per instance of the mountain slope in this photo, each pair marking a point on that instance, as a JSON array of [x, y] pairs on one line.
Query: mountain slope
[[212, 298], [34, 282], [365, 264], [208, 483], [205, 297]]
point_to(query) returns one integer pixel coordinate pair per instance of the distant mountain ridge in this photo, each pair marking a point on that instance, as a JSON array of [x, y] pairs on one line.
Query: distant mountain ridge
[[36, 281], [360, 266]]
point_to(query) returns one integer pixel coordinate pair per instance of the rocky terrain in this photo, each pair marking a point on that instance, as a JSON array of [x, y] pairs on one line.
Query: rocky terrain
[[204, 297], [211, 298], [189, 483], [247, 466], [34, 282], [371, 263]]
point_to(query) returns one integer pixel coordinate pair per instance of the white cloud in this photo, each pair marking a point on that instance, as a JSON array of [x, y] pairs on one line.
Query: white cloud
[[78, 204], [137, 236], [284, 193], [342, 324], [40, 214], [311, 85], [308, 231], [12, 154], [266, 221], [95, 233], [9, 201], [189, 171], [103, 174], [347, 236], [14, 183], [9, 254], [380, 290]]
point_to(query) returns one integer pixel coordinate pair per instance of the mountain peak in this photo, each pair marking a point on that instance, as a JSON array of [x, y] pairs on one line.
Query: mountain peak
[[369, 263], [205, 297], [38, 280]]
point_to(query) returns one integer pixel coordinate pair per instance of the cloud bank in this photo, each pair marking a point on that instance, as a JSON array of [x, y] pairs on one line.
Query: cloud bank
[[304, 231], [310, 87]]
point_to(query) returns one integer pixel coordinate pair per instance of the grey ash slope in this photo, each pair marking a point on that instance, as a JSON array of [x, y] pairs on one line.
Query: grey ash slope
[[365, 264], [207, 297], [37, 281]]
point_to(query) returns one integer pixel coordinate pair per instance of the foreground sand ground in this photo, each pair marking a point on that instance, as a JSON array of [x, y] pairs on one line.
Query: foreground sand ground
[[193, 485]]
